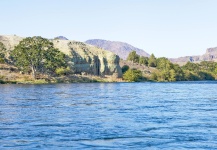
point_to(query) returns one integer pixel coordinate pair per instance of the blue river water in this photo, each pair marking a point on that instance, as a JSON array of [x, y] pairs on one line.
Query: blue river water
[[103, 116]]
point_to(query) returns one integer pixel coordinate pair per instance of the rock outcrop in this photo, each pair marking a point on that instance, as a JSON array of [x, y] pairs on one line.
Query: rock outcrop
[[82, 58], [210, 55], [119, 48], [89, 59]]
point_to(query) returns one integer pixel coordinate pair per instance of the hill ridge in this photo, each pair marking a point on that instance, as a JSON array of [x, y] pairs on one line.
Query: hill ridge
[[209, 55], [122, 49]]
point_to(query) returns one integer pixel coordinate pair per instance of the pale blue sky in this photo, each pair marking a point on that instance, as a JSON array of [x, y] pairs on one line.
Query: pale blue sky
[[169, 28]]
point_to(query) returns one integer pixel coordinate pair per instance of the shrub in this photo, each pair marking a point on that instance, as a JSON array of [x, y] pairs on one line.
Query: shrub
[[62, 71], [125, 68], [132, 75], [2, 61]]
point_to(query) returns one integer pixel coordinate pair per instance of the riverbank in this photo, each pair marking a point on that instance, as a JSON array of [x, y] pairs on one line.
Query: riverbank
[[71, 79], [11, 75]]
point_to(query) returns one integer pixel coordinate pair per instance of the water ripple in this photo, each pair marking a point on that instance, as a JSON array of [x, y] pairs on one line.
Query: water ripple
[[179, 115]]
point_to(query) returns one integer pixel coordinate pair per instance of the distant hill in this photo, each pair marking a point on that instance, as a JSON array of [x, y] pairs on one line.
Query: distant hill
[[60, 38], [119, 48], [210, 55]]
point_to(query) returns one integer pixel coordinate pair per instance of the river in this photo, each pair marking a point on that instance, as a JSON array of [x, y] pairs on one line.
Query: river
[[100, 116]]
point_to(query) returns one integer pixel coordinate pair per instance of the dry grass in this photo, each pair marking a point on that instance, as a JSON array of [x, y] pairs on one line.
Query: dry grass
[[10, 74], [145, 69]]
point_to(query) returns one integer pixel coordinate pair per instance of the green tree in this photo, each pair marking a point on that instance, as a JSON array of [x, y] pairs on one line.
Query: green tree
[[132, 75], [208, 66], [179, 72], [152, 61], [205, 70], [205, 75], [154, 75], [160, 75], [164, 75], [133, 57], [167, 71], [125, 68], [172, 76], [143, 60], [215, 70], [190, 76], [36, 54], [53, 60], [2, 52], [163, 63], [191, 66]]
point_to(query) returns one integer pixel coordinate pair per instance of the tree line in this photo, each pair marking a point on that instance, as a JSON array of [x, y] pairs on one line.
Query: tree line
[[37, 55], [135, 58], [167, 71]]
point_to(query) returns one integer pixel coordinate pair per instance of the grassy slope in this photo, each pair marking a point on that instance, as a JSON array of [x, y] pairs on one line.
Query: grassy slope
[[145, 69]]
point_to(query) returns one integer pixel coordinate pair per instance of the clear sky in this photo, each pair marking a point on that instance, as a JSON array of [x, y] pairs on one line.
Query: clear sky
[[169, 28]]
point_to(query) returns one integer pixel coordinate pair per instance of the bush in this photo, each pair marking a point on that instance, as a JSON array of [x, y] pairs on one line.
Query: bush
[[2, 61], [62, 71], [143, 60], [125, 68], [132, 75]]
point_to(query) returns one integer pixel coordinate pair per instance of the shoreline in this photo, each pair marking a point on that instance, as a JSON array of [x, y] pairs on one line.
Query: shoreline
[[41, 81]]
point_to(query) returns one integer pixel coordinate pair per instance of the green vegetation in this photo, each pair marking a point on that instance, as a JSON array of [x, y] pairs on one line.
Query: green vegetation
[[165, 71], [35, 60], [125, 68], [133, 57], [143, 60], [132, 75], [2, 53], [54, 59], [37, 55], [62, 71], [152, 61], [205, 70]]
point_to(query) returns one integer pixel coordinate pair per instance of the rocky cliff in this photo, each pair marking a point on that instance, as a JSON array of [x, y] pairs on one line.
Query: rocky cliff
[[89, 59], [210, 55], [82, 58], [119, 48]]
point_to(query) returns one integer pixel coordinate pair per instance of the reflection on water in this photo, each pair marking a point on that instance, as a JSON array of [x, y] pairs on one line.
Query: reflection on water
[[180, 115]]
